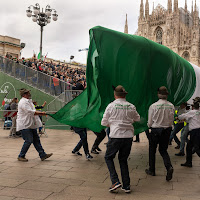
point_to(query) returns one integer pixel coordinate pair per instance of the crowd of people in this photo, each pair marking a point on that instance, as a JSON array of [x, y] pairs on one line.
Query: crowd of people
[[64, 72]]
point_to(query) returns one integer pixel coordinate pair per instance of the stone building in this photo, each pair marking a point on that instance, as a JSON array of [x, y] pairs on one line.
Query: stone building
[[177, 28], [10, 46]]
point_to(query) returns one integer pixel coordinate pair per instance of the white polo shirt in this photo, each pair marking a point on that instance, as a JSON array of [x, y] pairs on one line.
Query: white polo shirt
[[193, 118], [25, 115], [161, 114], [119, 116]]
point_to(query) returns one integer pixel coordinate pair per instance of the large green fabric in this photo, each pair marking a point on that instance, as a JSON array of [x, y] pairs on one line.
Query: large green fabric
[[140, 65]]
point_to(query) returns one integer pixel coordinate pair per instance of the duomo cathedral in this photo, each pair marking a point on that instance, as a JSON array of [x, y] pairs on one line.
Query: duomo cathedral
[[177, 28]]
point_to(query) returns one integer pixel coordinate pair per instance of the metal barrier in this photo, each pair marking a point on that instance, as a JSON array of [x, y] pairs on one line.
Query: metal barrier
[[34, 78], [8, 122], [52, 107], [63, 99]]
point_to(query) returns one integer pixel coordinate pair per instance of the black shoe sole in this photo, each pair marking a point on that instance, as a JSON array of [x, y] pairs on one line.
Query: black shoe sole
[[169, 174], [186, 165], [150, 173], [94, 152]]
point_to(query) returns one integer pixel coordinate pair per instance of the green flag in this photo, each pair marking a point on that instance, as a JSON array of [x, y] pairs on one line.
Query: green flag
[[140, 65], [38, 57]]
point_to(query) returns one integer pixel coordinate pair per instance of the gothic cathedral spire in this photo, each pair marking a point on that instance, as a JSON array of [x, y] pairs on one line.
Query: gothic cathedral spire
[[176, 6], [186, 5], [126, 26], [195, 6], [196, 15], [147, 10], [169, 6], [192, 8], [141, 10]]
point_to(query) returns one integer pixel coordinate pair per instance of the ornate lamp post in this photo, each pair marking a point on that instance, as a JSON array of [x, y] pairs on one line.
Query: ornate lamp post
[[42, 18]]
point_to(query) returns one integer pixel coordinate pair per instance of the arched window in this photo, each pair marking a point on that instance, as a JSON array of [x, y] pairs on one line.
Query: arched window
[[159, 35], [186, 55]]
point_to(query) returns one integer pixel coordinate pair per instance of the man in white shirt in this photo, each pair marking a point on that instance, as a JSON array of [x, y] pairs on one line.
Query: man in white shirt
[[119, 116], [193, 118], [160, 120], [177, 127], [27, 123]]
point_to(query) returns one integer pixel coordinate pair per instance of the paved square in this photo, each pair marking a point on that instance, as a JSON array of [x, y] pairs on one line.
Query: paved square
[[69, 177]]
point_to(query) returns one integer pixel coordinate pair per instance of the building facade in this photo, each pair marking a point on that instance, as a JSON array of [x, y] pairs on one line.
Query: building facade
[[10, 46], [177, 28]]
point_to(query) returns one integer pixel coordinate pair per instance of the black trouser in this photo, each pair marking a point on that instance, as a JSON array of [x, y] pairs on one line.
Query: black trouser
[[123, 146], [159, 136], [137, 138], [147, 133], [99, 139], [193, 144], [83, 139]]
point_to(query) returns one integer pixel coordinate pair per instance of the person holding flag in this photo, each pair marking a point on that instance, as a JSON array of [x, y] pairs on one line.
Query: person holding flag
[[193, 118], [160, 120], [27, 122], [119, 116], [13, 106]]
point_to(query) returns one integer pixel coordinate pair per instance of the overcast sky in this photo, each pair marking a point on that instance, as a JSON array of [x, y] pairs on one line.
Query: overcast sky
[[63, 38]]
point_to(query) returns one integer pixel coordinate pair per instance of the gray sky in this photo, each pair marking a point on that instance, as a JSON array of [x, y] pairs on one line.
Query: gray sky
[[63, 38]]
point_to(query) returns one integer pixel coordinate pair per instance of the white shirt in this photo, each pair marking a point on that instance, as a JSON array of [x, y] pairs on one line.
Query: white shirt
[[119, 116], [161, 114], [181, 111], [25, 115], [192, 117]]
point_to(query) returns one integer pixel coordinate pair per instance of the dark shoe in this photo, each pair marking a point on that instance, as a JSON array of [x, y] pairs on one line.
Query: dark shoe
[[179, 154], [77, 153], [115, 186], [94, 151], [98, 149], [126, 189], [186, 164], [41, 133], [18, 133], [136, 141], [46, 156], [170, 172], [22, 159], [177, 147], [148, 172], [89, 157]]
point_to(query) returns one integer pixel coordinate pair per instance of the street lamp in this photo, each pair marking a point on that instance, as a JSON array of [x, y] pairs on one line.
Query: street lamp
[[42, 18]]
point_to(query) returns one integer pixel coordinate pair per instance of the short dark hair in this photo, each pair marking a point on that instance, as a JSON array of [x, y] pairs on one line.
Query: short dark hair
[[196, 105]]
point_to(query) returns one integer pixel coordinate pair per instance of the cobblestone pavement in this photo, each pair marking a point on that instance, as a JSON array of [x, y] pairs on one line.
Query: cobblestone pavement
[[69, 177]]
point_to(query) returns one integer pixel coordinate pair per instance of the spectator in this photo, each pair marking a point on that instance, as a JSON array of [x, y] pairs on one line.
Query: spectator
[[13, 106]]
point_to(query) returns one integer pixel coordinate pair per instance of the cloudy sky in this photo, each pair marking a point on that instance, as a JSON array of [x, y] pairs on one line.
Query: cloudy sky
[[63, 38]]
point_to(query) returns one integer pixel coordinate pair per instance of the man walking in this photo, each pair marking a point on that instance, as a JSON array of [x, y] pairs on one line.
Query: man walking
[[100, 136], [119, 116], [193, 118], [178, 126], [82, 132], [160, 120], [27, 122]]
